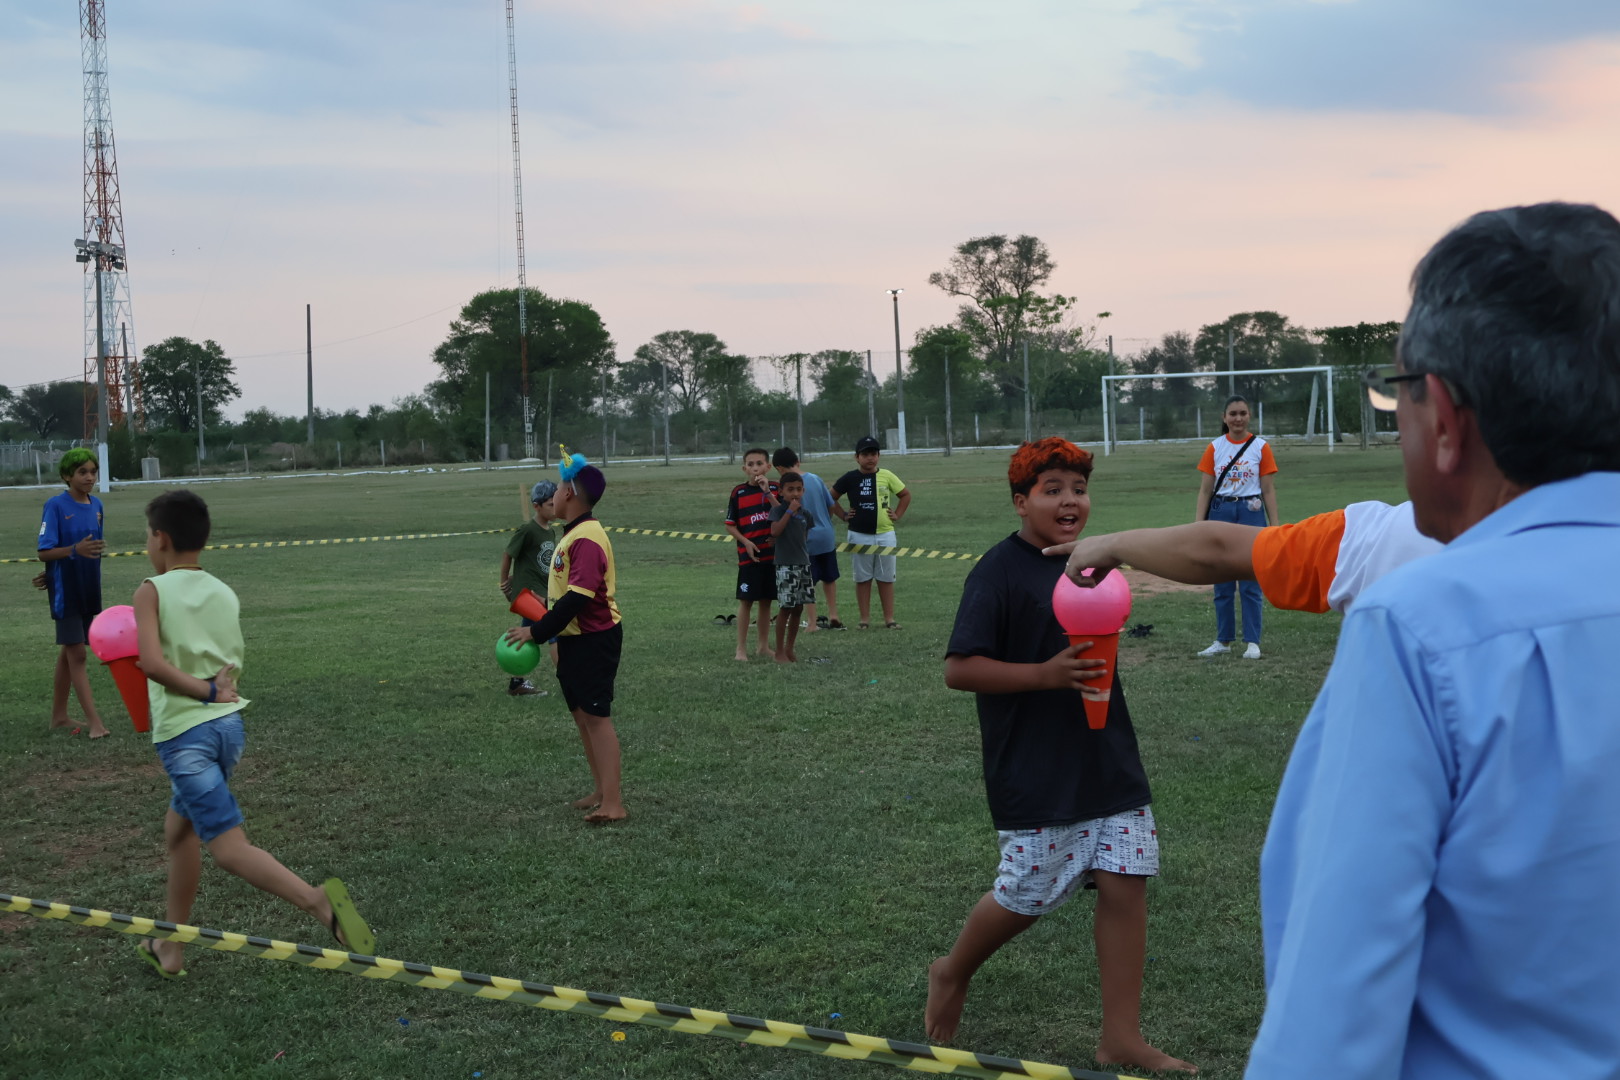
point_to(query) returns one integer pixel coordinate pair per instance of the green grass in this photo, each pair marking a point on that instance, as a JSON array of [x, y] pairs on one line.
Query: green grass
[[803, 841]]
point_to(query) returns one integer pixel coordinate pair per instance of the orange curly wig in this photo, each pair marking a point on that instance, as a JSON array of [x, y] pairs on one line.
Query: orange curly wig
[[1052, 452]]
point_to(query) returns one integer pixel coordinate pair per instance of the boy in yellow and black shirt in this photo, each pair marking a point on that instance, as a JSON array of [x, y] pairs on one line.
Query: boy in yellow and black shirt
[[584, 617]]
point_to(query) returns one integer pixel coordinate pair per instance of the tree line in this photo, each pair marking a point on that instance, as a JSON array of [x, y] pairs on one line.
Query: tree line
[[1011, 339]]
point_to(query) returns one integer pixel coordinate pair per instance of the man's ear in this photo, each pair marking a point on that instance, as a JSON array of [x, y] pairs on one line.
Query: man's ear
[[1453, 426]]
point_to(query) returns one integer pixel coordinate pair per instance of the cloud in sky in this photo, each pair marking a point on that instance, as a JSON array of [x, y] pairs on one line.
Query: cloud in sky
[[1467, 57], [763, 172]]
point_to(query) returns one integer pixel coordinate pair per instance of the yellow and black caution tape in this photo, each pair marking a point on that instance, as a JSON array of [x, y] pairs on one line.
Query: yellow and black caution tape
[[747, 1029], [300, 543], [674, 534], [857, 549]]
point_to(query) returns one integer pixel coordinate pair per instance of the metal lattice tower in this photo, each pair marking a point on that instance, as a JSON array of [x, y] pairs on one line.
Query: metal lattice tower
[[104, 221], [517, 196]]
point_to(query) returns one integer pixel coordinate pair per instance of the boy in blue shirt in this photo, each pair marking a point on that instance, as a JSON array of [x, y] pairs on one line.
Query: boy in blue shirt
[[70, 546], [1069, 803], [190, 632]]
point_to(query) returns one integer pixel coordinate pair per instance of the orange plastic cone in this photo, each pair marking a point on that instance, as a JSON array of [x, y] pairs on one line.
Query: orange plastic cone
[[529, 606], [1104, 647], [126, 672]]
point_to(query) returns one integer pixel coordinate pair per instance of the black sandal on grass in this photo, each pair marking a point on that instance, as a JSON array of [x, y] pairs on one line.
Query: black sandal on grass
[[891, 626]]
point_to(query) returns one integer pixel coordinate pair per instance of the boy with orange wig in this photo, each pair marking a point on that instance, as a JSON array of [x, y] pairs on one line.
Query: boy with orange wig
[[1069, 803]]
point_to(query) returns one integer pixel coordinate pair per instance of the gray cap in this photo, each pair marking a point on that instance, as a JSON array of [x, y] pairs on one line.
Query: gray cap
[[542, 491]]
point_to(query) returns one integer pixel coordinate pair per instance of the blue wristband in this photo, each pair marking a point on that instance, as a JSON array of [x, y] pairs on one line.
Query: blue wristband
[[213, 692]]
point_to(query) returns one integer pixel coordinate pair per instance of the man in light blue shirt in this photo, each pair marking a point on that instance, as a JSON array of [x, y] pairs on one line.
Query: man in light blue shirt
[[1441, 883]]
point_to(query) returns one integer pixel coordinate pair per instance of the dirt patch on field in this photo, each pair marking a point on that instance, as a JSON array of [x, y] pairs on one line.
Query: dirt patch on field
[[1145, 584]]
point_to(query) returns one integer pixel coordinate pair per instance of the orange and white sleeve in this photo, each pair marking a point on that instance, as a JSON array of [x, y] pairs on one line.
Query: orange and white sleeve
[[1296, 564]]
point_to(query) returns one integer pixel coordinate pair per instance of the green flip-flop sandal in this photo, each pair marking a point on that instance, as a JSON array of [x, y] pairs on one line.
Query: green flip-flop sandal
[[356, 935], [157, 965]]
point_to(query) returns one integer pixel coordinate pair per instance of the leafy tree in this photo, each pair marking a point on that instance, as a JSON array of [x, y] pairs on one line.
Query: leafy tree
[[1353, 349], [730, 382], [171, 372], [998, 278], [1363, 345], [50, 409], [1260, 339], [925, 375], [567, 342], [260, 425], [686, 355]]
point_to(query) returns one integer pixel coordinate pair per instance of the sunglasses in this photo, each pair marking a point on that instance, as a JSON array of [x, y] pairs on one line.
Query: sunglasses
[[1381, 383]]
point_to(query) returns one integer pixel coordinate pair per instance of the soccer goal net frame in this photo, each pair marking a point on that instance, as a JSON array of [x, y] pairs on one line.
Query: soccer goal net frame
[[1322, 374]]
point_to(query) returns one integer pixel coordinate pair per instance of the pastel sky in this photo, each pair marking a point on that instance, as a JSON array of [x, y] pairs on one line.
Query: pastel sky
[[766, 171]]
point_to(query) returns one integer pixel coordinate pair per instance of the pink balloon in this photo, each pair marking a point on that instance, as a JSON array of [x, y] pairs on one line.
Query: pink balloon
[[1099, 610], [112, 634]]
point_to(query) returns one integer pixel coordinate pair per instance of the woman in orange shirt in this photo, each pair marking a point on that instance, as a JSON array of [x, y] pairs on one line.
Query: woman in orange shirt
[[1237, 486]]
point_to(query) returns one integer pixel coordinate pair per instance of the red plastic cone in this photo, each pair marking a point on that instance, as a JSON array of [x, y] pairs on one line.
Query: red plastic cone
[[126, 672], [1104, 647], [529, 606]]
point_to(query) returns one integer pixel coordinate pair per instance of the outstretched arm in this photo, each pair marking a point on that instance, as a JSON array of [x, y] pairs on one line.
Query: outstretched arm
[[1202, 553]]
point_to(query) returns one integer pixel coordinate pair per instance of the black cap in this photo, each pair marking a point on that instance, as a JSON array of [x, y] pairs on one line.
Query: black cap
[[865, 443]]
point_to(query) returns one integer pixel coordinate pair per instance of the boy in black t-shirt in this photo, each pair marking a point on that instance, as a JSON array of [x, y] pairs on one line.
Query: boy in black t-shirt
[[748, 520], [1069, 803]]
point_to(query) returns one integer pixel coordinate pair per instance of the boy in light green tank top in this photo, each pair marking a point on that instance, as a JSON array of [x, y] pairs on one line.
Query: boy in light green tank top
[[190, 639]]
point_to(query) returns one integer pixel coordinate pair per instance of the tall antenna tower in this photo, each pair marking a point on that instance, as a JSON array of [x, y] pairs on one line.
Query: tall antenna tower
[[517, 196], [104, 222]]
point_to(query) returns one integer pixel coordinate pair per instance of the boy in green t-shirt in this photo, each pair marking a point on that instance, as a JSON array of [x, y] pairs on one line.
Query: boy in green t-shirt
[[526, 564], [190, 637]]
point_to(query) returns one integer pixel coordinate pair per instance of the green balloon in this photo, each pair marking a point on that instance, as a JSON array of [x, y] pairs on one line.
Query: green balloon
[[516, 659]]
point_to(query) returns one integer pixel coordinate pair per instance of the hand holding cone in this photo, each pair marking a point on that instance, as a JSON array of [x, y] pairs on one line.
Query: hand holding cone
[[1097, 615]]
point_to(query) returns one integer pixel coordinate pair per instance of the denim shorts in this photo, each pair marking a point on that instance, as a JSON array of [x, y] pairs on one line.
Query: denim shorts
[[199, 762]]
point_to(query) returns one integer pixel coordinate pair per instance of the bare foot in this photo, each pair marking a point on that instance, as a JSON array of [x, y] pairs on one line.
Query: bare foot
[[1138, 1054], [946, 996], [742, 656], [168, 954], [99, 731], [785, 656], [60, 721], [605, 814], [589, 801]]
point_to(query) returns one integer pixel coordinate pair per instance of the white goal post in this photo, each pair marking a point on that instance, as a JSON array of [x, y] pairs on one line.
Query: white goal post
[[1320, 375]]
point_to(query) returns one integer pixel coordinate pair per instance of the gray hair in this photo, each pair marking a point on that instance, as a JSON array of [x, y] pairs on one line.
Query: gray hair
[[1519, 310]]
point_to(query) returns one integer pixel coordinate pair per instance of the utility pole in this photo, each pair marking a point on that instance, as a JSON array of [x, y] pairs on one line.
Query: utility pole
[[899, 371], [196, 375], [1029, 416], [1106, 434], [947, 402], [486, 423], [1231, 365], [664, 371], [309, 368], [103, 256], [871, 402], [604, 418]]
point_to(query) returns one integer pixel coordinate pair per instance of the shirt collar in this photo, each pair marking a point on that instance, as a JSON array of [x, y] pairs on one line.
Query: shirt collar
[[1590, 499], [586, 516]]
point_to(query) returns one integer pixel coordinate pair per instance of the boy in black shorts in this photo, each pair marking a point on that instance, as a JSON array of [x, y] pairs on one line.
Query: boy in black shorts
[[584, 618], [1069, 803], [748, 520]]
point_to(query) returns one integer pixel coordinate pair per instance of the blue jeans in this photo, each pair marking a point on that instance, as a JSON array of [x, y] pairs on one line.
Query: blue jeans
[[1225, 630], [199, 762]]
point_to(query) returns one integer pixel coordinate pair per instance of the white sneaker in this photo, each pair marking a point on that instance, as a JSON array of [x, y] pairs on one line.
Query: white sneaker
[[1252, 652], [1215, 650]]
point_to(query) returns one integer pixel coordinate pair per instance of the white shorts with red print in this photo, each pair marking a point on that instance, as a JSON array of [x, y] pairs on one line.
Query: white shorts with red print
[[1042, 868]]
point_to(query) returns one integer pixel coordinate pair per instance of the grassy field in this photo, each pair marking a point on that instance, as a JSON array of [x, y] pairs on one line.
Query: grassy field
[[803, 841]]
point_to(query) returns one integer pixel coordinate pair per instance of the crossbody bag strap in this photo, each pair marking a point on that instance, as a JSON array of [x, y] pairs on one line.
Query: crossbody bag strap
[[1222, 478]]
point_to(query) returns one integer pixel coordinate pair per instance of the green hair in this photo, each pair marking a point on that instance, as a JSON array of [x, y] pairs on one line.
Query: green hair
[[73, 459]]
